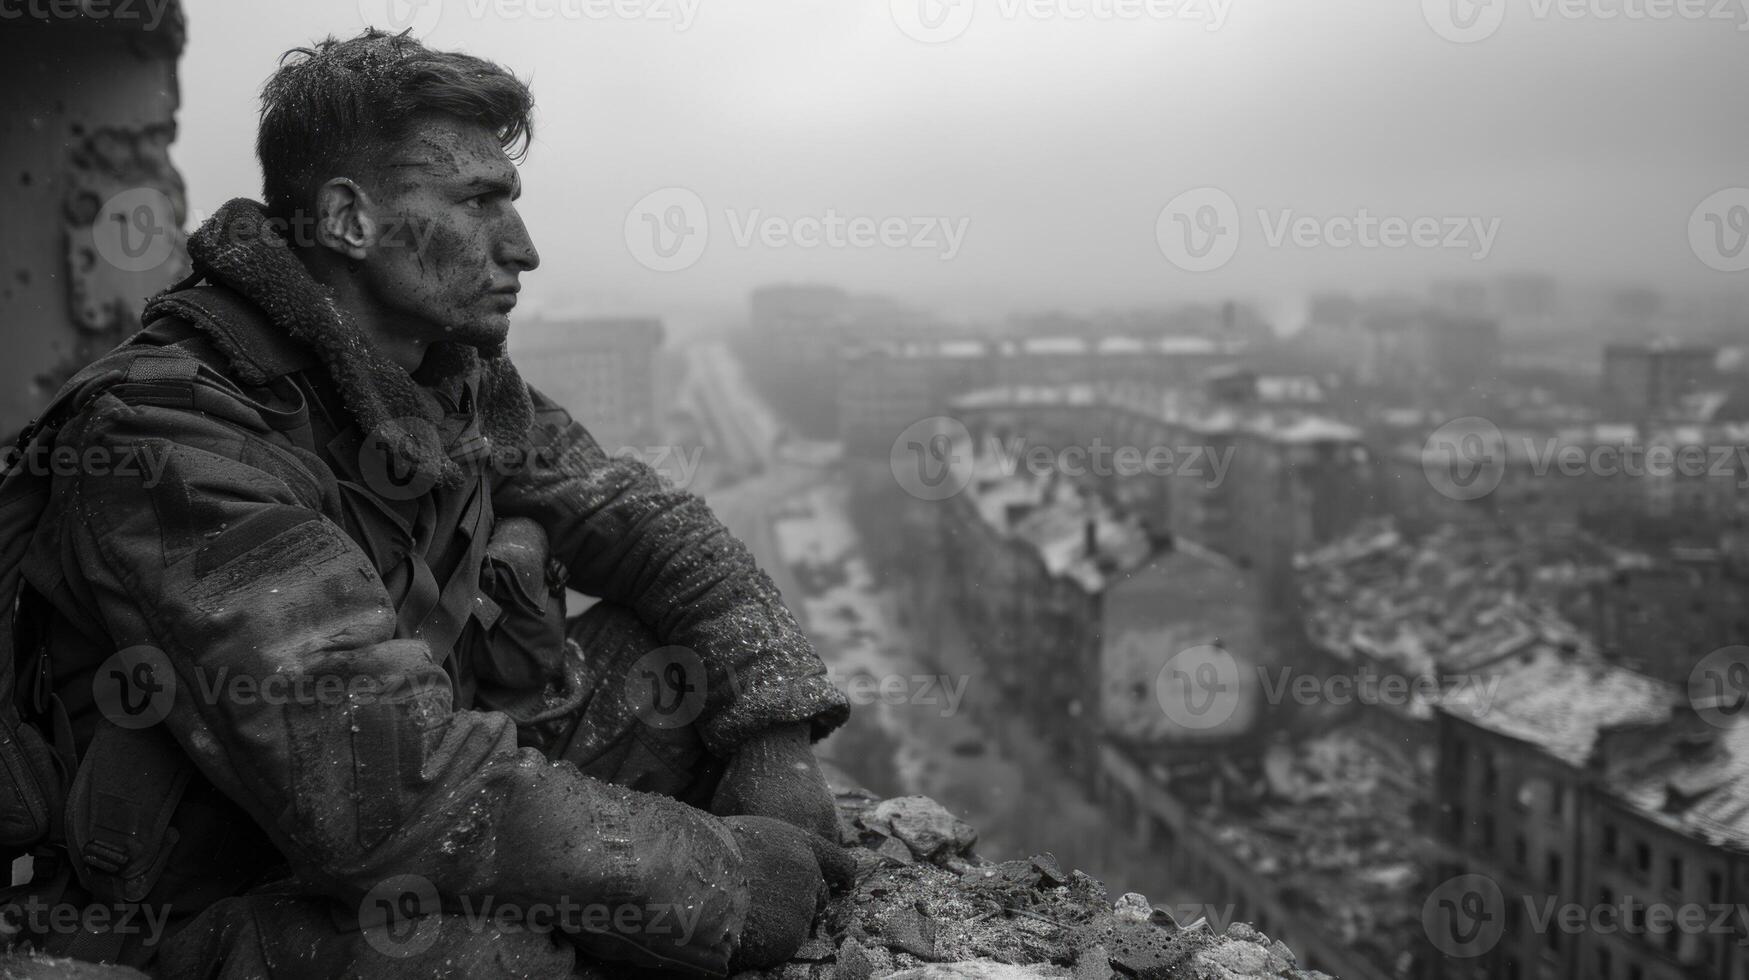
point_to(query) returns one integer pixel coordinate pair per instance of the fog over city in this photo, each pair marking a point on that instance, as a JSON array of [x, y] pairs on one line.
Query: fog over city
[[965, 489], [1057, 131]]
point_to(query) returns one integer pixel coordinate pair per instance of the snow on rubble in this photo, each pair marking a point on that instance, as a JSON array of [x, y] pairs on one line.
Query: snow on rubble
[[925, 906]]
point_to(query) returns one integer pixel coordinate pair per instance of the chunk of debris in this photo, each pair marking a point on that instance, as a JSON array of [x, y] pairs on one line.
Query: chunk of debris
[[947, 915], [926, 827]]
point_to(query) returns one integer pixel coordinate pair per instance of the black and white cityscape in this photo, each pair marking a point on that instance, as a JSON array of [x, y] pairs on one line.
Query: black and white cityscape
[[1270, 480]]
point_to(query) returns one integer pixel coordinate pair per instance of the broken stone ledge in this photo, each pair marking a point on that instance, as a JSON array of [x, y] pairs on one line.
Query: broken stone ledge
[[925, 907]]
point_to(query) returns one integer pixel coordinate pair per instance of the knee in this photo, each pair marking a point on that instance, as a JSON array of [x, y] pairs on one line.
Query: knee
[[275, 936]]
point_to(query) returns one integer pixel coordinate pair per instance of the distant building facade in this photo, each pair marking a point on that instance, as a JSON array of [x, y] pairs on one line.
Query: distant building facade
[[1653, 380], [602, 370]]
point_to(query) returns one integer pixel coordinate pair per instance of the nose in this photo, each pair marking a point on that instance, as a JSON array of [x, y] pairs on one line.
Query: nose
[[516, 249]]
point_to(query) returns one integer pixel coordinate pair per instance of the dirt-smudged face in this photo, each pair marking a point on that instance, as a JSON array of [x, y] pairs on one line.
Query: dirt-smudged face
[[450, 245]]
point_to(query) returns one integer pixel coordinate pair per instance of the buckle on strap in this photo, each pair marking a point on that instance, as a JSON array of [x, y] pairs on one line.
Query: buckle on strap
[[118, 815]]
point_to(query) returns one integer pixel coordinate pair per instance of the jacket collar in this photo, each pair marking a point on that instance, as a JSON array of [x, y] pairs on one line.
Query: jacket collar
[[271, 318]]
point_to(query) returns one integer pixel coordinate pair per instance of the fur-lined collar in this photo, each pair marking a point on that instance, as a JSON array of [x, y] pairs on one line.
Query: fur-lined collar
[[238, 248]]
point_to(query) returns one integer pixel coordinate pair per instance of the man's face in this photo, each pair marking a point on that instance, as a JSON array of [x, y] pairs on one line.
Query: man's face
[[450, 244]]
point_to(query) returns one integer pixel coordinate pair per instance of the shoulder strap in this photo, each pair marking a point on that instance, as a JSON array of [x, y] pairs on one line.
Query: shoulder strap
[[257, 350]]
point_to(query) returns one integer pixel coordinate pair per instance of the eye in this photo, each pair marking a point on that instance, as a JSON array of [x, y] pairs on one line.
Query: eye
[[476, 203]]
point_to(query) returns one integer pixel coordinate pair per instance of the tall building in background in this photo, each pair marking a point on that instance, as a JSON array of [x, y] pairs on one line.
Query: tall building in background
[[1641, 380], [601, 369]]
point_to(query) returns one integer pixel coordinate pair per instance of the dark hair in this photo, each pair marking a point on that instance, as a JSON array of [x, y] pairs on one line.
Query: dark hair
[[346, 103]]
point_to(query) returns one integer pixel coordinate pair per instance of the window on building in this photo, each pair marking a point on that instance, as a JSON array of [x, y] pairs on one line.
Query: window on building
[[1520, 853], [1715, 886], [1643, 857], [1610, 842], [1554, 870], [1676, 872]]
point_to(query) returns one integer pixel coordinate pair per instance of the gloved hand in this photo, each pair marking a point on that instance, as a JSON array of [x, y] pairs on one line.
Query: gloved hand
[[788, 872], [776, 775]]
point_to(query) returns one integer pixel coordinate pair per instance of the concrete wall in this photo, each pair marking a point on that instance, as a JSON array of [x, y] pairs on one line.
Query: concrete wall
[[93, 207]]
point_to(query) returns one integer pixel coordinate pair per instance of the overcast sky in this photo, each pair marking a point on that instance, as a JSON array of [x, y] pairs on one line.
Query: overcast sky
[[1028, 156]]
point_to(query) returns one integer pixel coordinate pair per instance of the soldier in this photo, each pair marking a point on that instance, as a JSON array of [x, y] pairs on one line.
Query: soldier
[[312, 668]]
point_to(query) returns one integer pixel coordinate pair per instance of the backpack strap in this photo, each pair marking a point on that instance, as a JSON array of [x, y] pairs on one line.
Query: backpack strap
[[118, 815], [257, 351]]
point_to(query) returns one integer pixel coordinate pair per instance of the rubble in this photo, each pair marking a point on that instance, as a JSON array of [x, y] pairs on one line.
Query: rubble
[[925, 907], [1452, 603]]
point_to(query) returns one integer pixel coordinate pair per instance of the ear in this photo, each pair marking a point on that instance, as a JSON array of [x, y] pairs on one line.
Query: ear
[[345, 219]]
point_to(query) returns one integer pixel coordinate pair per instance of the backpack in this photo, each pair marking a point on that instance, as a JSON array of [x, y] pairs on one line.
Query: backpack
[[113, 847], [35, 769]]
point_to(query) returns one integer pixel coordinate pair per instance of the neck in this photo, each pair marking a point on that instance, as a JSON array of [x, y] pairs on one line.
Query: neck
[[386, 329]]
